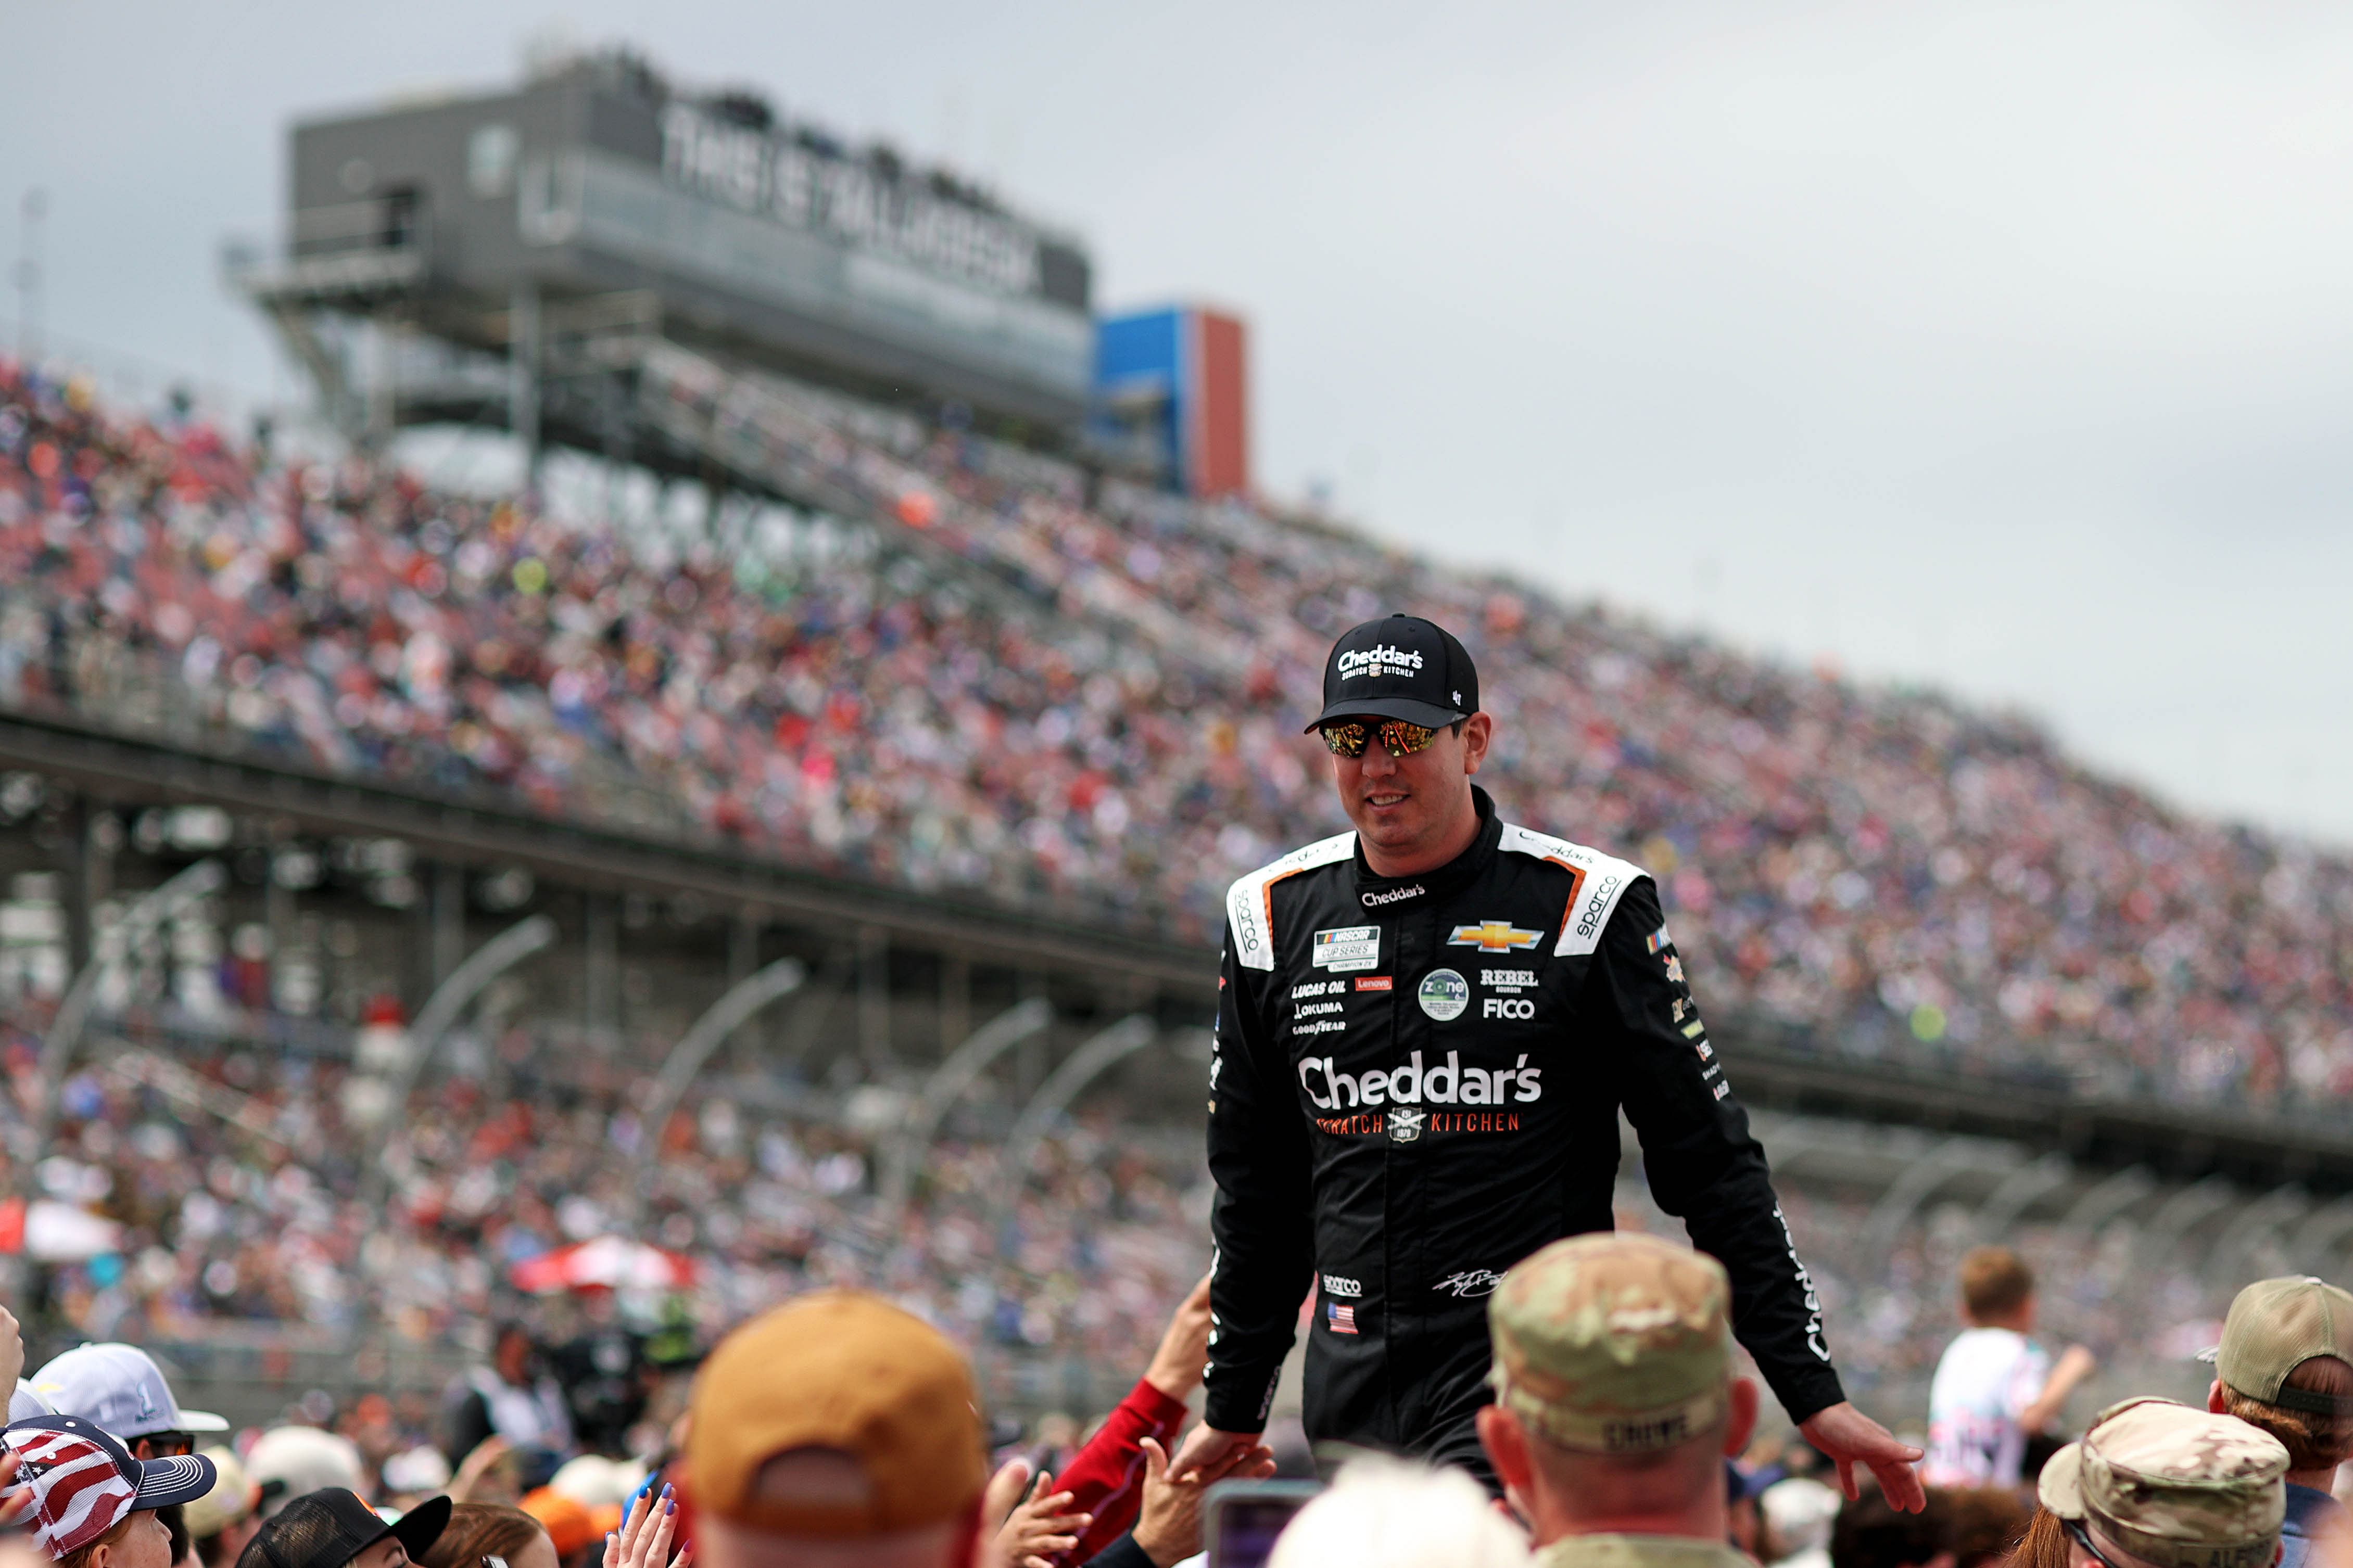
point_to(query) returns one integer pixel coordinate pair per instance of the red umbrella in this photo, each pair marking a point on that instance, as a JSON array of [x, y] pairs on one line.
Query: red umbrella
[[609, 1262]]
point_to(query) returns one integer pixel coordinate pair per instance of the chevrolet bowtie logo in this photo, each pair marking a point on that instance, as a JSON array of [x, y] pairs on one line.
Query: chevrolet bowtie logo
[[1492, 936]]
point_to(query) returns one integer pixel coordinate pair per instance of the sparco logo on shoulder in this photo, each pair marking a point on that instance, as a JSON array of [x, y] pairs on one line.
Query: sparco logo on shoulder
[[1394, 896], [1591, 921], [1246, 929]]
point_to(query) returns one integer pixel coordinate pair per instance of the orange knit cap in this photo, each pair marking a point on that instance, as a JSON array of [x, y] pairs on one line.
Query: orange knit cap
[[566, 1520]]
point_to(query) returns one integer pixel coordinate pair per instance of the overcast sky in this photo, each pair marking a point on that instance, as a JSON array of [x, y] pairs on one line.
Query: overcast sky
[[2004, 348]]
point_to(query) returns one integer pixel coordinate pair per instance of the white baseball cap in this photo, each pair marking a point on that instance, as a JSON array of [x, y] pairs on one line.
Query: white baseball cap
[[118, 1387], [24, 1403], [287, 1462], [419, 1470]]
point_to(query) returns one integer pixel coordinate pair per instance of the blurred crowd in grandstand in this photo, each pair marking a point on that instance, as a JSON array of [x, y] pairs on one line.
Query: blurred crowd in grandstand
[[219, 1224], [257, 1216], [1880, 872], [1894, 875]]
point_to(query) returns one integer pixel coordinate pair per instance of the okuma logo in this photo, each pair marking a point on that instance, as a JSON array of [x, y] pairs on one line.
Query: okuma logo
[[1444, 995]]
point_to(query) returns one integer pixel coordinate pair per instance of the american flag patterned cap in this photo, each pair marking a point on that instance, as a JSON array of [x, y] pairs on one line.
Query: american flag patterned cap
[[84, 1480]]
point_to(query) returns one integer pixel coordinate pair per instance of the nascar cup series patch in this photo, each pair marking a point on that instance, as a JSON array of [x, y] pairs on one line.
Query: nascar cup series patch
[[1444, 995], [1344, 948]]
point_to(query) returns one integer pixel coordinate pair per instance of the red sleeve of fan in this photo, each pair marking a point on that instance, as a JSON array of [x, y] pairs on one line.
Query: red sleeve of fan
[[1105, 1477]]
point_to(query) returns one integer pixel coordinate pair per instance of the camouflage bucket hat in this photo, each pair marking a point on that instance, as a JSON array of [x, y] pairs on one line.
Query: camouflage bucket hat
[[2173, 1485], [1613, 1344]]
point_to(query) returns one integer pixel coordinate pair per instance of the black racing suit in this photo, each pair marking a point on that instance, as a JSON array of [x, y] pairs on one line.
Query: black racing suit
[[1416, 1084]]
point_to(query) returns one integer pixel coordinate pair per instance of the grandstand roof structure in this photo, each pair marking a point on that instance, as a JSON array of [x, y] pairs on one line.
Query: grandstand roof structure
[[514, 252]]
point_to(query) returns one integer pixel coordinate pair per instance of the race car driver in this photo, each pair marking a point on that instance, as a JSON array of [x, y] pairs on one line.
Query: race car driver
[[1426, 1030]]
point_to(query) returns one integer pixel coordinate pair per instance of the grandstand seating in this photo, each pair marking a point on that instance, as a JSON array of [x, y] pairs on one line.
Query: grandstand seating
[[221, 1225], [225, 1229], [1012, 687]]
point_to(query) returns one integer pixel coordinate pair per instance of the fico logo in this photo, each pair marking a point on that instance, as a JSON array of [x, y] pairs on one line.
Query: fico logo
[[1506, 1007]]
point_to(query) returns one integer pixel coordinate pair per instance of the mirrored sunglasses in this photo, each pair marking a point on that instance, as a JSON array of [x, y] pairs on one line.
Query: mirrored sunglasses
[[1348, 737]]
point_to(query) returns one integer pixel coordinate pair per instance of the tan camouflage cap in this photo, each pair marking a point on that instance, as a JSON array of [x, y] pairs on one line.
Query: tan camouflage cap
[[2275, 1327], [2174, 1486], [1613, 1344]]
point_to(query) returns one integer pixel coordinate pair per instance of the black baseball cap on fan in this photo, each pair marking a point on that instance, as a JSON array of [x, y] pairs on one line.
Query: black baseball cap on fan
[[1400, 667], [328, 1528]]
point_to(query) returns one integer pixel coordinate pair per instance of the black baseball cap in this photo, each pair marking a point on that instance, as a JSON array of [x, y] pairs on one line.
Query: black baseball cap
[[1400, 667], [328, 1528]]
